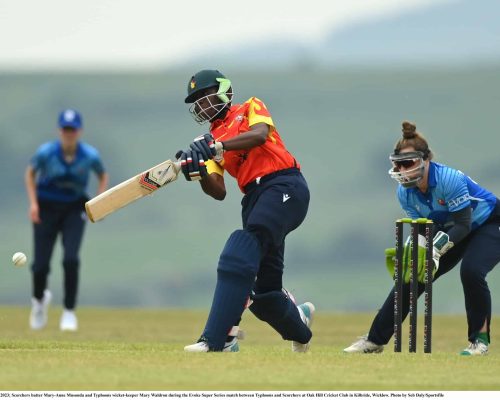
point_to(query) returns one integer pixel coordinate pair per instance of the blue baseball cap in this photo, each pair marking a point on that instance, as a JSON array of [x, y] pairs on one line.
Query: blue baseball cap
[[70, 118]]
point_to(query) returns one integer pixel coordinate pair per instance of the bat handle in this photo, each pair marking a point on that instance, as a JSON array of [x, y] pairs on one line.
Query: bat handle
[[177, 166]]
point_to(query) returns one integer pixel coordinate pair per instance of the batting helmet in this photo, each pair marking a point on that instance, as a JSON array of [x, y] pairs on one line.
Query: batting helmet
[[206, 79]]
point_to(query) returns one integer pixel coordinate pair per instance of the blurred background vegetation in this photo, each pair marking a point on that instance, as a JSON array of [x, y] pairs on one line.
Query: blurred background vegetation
[[340, 124]]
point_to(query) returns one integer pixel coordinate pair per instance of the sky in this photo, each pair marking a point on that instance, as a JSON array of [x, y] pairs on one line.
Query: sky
[[156, 34]]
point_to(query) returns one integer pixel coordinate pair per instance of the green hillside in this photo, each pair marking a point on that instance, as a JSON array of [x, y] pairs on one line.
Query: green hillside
[[341, 125]]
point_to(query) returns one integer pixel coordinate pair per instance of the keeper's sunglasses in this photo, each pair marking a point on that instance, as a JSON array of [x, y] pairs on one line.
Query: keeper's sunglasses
[[407, 164]]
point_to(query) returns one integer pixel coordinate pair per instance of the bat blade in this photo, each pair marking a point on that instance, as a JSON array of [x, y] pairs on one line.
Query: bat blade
[[132, 189]]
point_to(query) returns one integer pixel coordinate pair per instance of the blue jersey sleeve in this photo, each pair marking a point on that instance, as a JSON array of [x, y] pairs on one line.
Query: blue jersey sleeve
[[39, 159], [97, 165], [455, 189], [95, 162]]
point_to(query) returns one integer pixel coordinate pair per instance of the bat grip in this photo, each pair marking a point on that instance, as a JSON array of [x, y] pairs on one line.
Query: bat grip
[[177, 166]]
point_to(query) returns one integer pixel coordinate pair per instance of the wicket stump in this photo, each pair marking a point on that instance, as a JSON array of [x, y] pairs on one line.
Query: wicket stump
[[413, 297]]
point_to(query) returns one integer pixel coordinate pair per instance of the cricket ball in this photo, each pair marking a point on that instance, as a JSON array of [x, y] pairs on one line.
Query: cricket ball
[[19, 259]]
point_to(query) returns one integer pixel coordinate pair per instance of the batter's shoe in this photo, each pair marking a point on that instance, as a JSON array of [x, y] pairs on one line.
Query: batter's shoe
[[306, 312], [476, 348], [231, 344], [363, 345], [68, 322], [40, 311], [202, 346]]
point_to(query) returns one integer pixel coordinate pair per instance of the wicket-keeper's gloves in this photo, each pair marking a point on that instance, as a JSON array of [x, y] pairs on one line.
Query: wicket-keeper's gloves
[[390, 258]]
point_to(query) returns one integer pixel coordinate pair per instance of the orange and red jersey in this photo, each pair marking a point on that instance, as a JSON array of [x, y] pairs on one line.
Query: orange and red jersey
[[248, 165]]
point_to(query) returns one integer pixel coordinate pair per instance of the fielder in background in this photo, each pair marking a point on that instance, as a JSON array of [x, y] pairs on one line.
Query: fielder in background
[[56, 182], [243, 141], [467, 229]]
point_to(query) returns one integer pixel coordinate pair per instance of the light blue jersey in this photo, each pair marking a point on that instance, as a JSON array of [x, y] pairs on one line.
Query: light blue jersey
[[59, 180], [449, 190]]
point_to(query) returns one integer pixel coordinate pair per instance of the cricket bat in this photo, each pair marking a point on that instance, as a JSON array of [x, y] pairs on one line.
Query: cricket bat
[[132, 189]]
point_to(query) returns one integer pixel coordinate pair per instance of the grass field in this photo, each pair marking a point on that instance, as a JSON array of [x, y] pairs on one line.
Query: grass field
[[135, 349]]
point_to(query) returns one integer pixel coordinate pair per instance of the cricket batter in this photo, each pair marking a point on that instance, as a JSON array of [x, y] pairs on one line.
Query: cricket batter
[[243, 141], [467, 219], [56, 182]]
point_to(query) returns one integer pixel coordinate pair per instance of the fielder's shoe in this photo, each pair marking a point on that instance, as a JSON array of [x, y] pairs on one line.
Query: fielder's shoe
[[40, 311], [476, 348], [306, 312], [68, 322], [363, 345]]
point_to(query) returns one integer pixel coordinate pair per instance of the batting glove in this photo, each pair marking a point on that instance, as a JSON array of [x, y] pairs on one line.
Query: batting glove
[[208, 147], [192, 165]]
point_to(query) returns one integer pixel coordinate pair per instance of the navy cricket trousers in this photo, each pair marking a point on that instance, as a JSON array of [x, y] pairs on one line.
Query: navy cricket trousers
[[271, 210], [252, 260], [67, 219], [479, 253]]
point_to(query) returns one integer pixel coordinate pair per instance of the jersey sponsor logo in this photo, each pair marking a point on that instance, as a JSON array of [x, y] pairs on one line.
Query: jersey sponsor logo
[[459, 200]]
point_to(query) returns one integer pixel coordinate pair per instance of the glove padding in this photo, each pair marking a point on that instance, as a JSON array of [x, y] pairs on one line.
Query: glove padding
[[192, 164], [390, 258], [441, 244], [208, 147]]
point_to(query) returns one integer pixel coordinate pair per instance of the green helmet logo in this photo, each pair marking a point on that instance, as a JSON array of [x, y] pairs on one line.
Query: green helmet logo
[[206, 79], [224, 86]]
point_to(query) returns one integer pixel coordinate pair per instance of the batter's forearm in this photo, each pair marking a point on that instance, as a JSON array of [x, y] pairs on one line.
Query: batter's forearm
[[257, 136], [213, 185]]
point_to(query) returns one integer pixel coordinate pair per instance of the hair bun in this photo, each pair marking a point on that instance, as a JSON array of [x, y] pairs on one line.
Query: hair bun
[[409, 130]]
